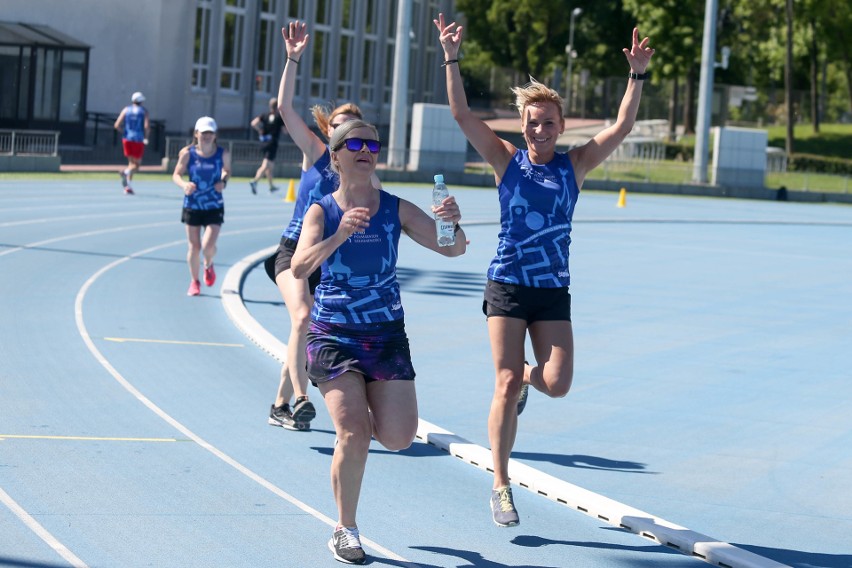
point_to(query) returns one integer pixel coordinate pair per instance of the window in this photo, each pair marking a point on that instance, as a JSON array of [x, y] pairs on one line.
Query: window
[[344, 65], [10, 77], [46, 92], [346, 52], [319, 81], [368, 61], [295, 11], [71, 96], [232, 49], [201, 48], [266, 41]]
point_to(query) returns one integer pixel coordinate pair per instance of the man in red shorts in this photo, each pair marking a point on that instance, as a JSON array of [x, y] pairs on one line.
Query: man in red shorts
[[134, 119]]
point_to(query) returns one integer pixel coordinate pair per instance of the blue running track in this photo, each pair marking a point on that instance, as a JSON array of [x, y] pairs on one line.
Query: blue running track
[[710, 420]]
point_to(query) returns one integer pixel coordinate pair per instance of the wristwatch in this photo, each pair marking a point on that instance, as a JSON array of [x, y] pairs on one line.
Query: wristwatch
[[639, 76]]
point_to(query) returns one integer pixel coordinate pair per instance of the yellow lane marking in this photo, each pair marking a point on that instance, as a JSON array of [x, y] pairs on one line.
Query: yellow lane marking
[[90, 438], [173, 342]]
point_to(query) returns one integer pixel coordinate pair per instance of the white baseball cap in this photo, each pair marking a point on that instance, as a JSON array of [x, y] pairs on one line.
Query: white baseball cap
[[137, 97], [205, 124]]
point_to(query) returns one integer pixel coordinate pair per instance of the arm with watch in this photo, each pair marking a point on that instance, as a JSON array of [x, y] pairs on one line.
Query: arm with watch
[[590, 155]]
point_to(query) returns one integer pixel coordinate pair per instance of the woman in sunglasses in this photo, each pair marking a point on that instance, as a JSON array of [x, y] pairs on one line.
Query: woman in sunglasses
[[538, 188], [317, 180], [357, 348]]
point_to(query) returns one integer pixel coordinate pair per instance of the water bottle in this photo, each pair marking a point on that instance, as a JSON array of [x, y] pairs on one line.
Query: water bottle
[[445, 229]]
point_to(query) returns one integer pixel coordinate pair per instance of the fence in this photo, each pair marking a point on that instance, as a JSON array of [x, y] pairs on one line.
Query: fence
[[29, 143]]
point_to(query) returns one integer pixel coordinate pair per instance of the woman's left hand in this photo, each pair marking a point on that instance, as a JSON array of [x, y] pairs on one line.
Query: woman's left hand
[[448, 210]]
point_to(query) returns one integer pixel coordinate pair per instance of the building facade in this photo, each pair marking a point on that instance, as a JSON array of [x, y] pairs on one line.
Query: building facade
[[224, 58]]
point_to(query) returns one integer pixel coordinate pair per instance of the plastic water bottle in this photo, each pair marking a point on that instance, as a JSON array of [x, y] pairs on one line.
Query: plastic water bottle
[[445, 229]]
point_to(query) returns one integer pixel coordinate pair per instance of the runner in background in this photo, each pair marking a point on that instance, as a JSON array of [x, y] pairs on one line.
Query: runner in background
[[268, 126], [133, 119]]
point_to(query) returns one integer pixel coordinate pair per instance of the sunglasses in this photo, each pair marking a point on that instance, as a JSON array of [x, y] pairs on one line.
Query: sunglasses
[[355, 145]]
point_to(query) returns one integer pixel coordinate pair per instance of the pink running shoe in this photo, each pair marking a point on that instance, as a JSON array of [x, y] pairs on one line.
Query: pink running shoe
[[194, 288], [209, 275], [128, 190]]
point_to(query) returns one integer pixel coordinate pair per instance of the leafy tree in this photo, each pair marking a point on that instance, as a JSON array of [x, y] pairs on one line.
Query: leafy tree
[[679, 25], [529, 36]]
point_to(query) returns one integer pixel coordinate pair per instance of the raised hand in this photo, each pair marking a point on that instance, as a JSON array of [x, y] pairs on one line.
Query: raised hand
[[450, 36], [639, 55], [295, 38]]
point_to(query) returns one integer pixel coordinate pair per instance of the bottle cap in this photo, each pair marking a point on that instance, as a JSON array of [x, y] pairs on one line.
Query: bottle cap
[[439, 178]]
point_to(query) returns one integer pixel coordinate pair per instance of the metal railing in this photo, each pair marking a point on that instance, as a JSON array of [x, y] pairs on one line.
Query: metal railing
[[241, 150], [29, 143]]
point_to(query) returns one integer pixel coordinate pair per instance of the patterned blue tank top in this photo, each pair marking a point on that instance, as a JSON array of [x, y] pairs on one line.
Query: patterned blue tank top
[[204, 172], [134, 123], [359, 282], [316, 183], [536, 207]]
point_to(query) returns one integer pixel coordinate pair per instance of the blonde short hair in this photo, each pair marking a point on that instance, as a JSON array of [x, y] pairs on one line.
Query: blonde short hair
[[533, 93]]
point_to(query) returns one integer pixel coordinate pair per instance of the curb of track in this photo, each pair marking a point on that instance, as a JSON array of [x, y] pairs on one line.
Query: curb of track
[[619, 515]]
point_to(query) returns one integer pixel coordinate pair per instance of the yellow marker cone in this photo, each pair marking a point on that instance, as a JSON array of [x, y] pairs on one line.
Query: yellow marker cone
[[291, 192], [622, 198]]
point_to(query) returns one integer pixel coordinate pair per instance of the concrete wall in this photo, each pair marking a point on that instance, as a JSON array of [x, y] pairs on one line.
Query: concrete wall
[[29, 163]]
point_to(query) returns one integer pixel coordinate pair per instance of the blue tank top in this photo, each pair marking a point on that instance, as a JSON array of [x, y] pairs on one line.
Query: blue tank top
[[316, 183], [359, 282], [204, 172], [536, 207], [134, 123]]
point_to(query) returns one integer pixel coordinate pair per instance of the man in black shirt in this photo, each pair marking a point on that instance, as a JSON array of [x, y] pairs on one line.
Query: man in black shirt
[[268, 126]]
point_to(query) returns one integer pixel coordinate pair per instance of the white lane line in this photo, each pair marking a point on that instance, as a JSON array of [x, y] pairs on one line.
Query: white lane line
[[40, 531], [83, 235], [171, 342], [87, 339], [612, 512]]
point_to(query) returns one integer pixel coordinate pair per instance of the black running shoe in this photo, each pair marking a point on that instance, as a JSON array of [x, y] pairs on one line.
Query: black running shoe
[[345, 544], [303, 410], [281, 416]]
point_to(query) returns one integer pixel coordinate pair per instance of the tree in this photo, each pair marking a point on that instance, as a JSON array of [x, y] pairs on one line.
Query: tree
[[529, 36], [677, 23], [788, 78]]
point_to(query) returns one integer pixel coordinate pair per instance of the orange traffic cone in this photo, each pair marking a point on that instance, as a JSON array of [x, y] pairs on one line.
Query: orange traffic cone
[[291, 192], [622, 198]]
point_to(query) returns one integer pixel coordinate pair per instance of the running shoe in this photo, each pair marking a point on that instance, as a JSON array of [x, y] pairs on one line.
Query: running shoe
[[283, 417], [253, 186], [128, 190], [123, 179], [503, 507], [522, 399], [345, 544], [209, 275], [194, 288], [273, 188], [303, 410], [525, 391]]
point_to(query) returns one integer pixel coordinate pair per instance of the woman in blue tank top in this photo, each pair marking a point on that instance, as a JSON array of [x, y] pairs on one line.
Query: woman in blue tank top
[[527, 288], [209, 167], [357, 349], [317, 180]]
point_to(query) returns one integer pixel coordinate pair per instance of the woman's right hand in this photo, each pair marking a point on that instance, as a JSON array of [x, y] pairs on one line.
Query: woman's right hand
[[295, 38], [450, 38], [355, 220], [189, 188]]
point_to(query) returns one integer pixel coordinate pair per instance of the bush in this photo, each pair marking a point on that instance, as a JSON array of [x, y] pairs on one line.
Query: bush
[[679, 151], [819, 164]]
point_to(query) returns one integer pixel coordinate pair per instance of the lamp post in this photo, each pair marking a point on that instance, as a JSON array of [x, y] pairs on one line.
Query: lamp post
[[569, 52]]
